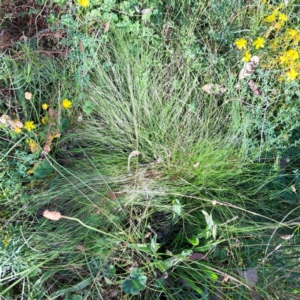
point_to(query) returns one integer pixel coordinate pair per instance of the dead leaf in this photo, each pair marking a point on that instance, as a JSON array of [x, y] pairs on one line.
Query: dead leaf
[[46, 148], [147, 235], [249, 67], [196, 256], [250, 276], [106, 28], [285, 236], [196, 165], [28, 95], [80, 248], [213, 89], [111, 195], [134, 153], [293, 189], [146, 11], [81, 48], [137, 9]]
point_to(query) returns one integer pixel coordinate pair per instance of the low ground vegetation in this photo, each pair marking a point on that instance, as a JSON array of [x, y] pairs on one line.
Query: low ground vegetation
[[149, 150]]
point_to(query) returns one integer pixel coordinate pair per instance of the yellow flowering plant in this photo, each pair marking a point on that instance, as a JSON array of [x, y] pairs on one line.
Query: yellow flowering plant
[[84, 3], [277, 46], [66, 104], [29, 125]]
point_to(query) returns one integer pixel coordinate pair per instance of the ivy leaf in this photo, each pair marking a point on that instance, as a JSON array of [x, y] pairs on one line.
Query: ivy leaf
[[136, 283]]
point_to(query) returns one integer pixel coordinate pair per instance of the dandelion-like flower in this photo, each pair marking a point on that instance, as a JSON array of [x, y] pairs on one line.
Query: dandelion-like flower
[[292, 54], [44, 106], [291, 74], [282, 17], [84, 3], [66, 104], [43, 120], [271, 18], [241, 43], [291, 32], [259, 43], [18, 130], [246, 56], [29, 125]]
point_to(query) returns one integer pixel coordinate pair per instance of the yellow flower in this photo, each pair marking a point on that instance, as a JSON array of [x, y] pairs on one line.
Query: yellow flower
[[246, 56], [44, 106], [84, 3], [259, 43], [283, 58], [292, 54], [18, 130], [29, 125], [291, 74], [33, 146], [271, 18], [282, 17], [66, 104], [291, 32], [43, 120], [241, 43]]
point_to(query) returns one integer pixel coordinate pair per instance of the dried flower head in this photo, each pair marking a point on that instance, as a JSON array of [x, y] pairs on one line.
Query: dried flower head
[[52, 215]]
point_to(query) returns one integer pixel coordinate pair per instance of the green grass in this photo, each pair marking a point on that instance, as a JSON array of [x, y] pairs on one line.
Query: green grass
[[202, 202]]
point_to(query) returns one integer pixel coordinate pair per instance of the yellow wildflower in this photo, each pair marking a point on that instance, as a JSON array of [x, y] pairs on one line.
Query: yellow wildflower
[[292, 54], [33, 146], [66, 104], [29, 125], [283, 59], [271, 18], [259, 43], [43, 120], [241, 43], [246, 56], [18, 130], [291, 74], [44, 106], [291, 32], [282, 17], [84, 3]]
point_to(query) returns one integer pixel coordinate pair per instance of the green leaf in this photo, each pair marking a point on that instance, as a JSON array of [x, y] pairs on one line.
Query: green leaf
[[136, 284], [88, 107], [159, 283], [42, 170], [194, 240], [208, 246], [141, 247], [193, 285], [176, 210], [75, 288]]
